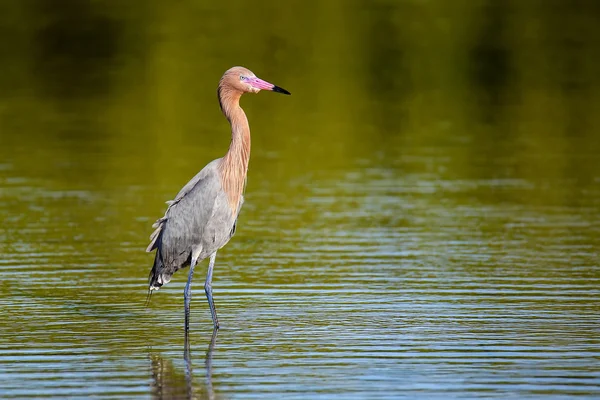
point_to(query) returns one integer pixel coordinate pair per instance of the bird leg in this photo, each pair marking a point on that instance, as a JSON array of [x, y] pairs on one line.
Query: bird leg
[[208, 290], [187, 293]]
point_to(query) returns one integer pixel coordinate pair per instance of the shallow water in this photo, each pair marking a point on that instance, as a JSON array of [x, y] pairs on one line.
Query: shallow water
[[414, 225]]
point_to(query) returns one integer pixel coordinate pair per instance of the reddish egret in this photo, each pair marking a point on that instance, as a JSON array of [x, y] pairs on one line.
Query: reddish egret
[[202, 217]]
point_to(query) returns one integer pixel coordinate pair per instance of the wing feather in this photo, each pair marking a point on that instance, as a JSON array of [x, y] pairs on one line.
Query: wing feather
[[187, 215]]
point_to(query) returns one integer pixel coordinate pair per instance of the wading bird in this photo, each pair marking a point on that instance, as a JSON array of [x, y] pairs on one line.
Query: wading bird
[[202, 217]]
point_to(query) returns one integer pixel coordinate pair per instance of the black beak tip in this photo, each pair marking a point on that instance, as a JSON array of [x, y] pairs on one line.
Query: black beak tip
[[280, 90]]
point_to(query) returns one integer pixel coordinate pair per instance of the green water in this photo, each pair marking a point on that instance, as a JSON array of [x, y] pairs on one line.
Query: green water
[[422, 215]]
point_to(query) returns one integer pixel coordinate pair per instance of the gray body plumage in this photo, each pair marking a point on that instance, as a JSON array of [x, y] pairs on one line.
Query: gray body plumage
[[197, 223]]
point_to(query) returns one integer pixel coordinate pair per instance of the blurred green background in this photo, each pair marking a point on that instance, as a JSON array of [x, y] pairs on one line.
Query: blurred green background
[[487, 80]]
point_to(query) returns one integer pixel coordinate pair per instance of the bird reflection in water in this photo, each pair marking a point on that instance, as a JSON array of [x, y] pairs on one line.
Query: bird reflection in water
[[169, 383]]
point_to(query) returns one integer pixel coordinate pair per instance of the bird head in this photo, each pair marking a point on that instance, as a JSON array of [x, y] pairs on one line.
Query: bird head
[[245, 81]]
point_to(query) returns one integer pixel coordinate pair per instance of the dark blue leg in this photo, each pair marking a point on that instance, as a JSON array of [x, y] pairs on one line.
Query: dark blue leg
[[187, 294], [208, 290]]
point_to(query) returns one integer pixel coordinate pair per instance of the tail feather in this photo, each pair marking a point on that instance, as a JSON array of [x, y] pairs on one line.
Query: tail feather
[[154, 238], [158, 275], [148, 298], [161, 273]]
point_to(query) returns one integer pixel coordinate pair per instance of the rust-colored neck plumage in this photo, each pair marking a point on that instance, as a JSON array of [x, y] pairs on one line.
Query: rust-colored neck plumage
[[234, 165]]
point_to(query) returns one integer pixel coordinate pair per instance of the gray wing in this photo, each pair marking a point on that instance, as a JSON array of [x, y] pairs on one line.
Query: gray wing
[[182, 227], [210, 168]]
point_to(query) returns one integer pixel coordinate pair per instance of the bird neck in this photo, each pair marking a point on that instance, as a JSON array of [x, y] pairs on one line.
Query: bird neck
[[234, 165]]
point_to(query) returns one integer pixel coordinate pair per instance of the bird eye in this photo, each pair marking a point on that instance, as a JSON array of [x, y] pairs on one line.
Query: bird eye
[[242, 78]]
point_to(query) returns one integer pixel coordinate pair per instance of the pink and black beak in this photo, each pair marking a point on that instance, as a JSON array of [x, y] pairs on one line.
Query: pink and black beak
[[264, 85]]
